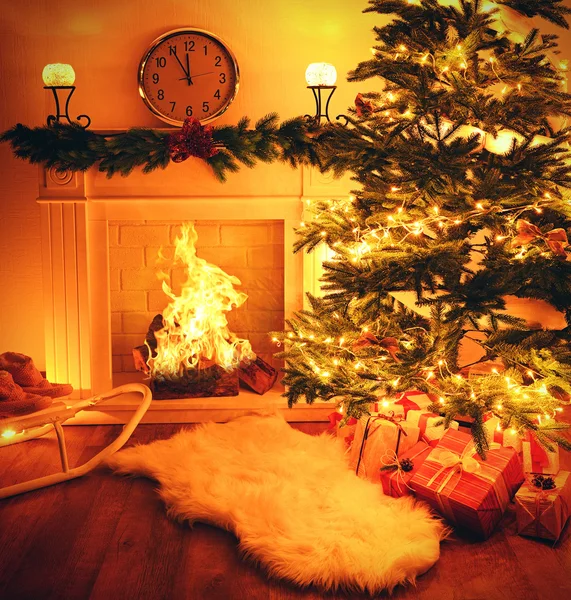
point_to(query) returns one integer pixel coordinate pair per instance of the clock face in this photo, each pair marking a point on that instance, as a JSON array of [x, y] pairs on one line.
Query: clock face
[[188, 73]]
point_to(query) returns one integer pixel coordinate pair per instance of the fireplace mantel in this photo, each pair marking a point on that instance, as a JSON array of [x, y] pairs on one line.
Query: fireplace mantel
[[75, 211]]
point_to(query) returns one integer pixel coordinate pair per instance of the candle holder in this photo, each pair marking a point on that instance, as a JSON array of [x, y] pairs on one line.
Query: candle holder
[[61, 77], [321, 77]]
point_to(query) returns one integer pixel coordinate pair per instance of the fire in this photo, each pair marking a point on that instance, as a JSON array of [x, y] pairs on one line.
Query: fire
[[195, 333]]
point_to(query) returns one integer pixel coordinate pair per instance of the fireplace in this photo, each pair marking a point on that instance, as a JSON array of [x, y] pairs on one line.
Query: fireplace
[[99, 242]]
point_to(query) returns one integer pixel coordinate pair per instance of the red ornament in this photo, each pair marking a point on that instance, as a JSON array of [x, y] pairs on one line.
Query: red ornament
[[364, 107], [193, 139]]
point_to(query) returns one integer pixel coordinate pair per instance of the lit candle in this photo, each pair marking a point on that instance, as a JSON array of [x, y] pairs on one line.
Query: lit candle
[[318, 74], [58, 75]]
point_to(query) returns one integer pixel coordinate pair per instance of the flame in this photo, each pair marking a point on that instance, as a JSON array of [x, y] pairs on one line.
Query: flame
[[195, 333]]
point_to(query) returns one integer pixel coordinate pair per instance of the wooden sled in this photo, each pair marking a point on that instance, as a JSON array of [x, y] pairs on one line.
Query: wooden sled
[[27, 427]]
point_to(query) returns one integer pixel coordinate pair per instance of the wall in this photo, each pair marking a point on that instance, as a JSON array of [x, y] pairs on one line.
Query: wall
[[104, 40], [274, 40]]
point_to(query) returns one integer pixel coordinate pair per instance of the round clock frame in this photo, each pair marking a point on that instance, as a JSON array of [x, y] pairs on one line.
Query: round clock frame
[[158, 97]]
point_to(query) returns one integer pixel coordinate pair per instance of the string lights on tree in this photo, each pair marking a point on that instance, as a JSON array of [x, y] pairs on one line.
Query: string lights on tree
[[463, 166]]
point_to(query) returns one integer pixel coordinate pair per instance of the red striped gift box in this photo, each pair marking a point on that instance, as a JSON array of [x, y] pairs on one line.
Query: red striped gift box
[[468, 491]]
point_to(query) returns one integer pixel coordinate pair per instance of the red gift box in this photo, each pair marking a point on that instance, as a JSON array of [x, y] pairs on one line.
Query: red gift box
[[430, 430], [395, 480], [509, 438], [537, 459], [467, 490], [543, 512], [414, 400]]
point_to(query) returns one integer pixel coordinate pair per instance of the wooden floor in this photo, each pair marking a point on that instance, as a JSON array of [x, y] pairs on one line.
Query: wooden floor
[[108, 538]]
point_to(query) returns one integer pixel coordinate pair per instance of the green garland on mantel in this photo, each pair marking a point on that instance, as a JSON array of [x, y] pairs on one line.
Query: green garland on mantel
[[72, 148]]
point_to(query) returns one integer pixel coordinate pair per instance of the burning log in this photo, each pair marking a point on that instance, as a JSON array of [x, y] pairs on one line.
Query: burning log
[[197, 383], [257, 374]]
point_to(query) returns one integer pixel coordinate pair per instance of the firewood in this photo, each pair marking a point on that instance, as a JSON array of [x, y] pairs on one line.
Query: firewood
[[197, 383], [258, 375]]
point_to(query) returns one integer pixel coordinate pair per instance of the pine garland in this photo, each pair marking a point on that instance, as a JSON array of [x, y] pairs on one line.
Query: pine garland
[[70, 147]]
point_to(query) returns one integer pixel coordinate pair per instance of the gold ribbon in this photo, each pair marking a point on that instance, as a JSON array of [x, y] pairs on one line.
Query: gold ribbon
[[394, 420], [390, 458]]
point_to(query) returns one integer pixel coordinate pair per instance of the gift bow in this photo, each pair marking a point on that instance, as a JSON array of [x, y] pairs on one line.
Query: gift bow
[[463, 462], [556, 239]]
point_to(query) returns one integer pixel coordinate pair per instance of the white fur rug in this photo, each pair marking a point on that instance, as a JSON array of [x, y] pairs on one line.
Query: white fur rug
[[292, 501]]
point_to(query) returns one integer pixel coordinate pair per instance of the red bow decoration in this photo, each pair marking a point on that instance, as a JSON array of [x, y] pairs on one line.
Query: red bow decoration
[[193, 139], [556, 239], [364, 107], [390, 344]]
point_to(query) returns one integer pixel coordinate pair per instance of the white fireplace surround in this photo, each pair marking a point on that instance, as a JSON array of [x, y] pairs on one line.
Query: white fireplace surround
[[75, 210]]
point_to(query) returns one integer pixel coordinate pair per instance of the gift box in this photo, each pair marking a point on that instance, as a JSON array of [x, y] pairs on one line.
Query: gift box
[[468, 491], [542, 506], [508, 438], [414, 400], [346, 431], [396, 472], [389, 408], [430, 424], [374, 437], [537, 459]]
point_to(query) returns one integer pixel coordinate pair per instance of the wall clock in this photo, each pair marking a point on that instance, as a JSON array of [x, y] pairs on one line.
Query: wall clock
[[188, 73]]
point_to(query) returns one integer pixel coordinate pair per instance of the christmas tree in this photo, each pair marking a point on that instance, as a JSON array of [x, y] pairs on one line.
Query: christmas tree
[[462, 202]]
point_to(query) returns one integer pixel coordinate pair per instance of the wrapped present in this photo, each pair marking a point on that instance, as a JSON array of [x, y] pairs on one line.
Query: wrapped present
[[542, 506], [537, 459], [390, 408], [414, 400], [374, 436], [346, 431], [430, 425], [468, 491], [508, 438], [396, 471]]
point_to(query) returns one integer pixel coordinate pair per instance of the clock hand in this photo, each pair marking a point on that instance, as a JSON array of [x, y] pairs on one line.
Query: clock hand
[[199, 75], [188, 70], [182, 66]]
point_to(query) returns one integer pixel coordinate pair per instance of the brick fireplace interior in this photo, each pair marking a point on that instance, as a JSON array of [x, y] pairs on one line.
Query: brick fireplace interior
[[253, 251]]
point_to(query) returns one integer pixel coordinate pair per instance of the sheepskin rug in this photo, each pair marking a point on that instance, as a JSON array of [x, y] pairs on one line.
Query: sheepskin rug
[[292, 501]]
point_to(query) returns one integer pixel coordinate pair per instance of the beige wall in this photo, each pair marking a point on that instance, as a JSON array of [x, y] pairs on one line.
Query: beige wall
[[274, 40]]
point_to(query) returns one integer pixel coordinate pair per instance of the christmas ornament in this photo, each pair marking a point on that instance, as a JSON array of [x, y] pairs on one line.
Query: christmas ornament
[[364, 107], [193, 139], [556, 239]]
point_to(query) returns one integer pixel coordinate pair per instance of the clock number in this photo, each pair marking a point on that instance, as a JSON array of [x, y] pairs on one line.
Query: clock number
[[161, 61], [205, 107], [218, 60], [173, 105], [205, 50], [222, 78], [155, 78], [189, 46], [161, 94], [189, 111], [217, 94], [172, 50]]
